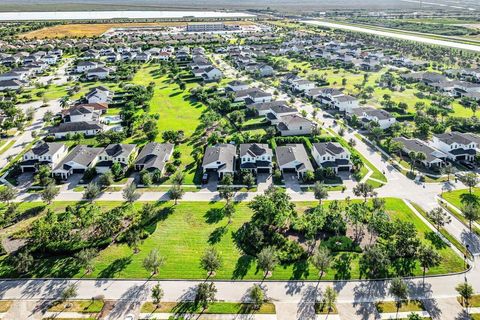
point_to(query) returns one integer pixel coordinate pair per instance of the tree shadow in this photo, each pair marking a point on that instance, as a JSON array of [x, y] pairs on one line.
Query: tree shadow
[[213, 215], [436, 240], [306, 305], [342, 267], [217, 235], [242, 266], [115, 267], [467, 198]]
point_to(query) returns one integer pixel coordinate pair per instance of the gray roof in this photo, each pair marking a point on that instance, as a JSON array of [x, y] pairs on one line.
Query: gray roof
[[119, 149], [333, 148], [75, 126], [254, 149], [291, 119], [82, 155], [47, 148], [420, 146], [155, 155], [293, 152], [262, 106], [454, 137], [223, 154]]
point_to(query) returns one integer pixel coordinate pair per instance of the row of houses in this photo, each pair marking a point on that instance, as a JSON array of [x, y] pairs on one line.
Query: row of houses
[[64, 163], [202, 67], [222, 159], [444, 147], [286, 119]]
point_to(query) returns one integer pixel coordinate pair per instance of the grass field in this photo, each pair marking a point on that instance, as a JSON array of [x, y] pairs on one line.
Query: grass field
[[5, 305], [213, 308], [97, 29], [82, 306], [184, 232], [390, 307], [455, 197], [176, 111]]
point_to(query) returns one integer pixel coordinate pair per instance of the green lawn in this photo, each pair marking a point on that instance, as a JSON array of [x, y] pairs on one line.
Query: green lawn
[[5, 146], [176, 111], [82, 306], [390, 307], [455, 197], [213, 308], [182, 234]]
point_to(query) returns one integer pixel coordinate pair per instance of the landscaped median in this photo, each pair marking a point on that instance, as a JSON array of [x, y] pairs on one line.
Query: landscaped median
[[164, 310], [75, 309], [389, 310]]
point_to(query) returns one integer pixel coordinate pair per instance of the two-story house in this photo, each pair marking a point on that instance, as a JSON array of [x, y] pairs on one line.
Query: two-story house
[[47, 153], [331, 155], [456, 145], [220, 159], [256, 157], [293, 158], [295, 125], [116, 153]]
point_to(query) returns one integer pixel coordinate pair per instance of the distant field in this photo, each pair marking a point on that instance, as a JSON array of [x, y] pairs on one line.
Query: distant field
[[96, 29]]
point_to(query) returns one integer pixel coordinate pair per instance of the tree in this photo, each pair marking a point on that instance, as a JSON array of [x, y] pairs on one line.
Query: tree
[[130, 193], [117, 170], [374, 261], [106, 179], [229, 211], [330, 298], [428, 258], [414, 316], [157, 294], [248, 179], [69, 292], [465, 291], [205, 294], [321, 260], [84, 258], [49, 193], [320, 192], [471, 213], [273, 208], [22, 262], [7, 194], [439, 217], [44, 175], [226, 192], [267, 260], [399, 290], [92, 190], [257, 296], [176, 192], [211, 261], [178, 178], [364, 190], [133, 238], [470, 180], [448, 170], [153, 261]]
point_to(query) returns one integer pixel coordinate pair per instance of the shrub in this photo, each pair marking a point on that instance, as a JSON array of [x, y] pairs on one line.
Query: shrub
[[341, 243]]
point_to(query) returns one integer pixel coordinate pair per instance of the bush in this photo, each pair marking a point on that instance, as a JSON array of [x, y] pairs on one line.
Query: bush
[[341, 244], [291, 252]]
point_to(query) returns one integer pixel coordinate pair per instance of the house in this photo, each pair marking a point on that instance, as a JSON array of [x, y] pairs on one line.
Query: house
[[293, 158], [113, 153], [295, 125], [220, 159], [84, 112], [83, 66], [331, 155], [264, 70], [11, 85], [13, 76], [252, 95], [87, 128], [99, 95], [345, 103], [327, 95], [154, 156], [236, 85], [264, 108], [277, 112], [433, 157], [368, 114], [256, 157], [302, 85], [99, 73], [48, 153], [211, 74], [456, 145], [78, 160], [50, 59]]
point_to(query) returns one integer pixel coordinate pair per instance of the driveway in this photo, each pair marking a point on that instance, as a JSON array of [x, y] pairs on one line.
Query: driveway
[[291, 182], [71, 183], [264, 181]]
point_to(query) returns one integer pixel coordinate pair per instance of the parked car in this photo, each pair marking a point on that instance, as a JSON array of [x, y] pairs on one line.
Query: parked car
[[205, 178], [467, 164]]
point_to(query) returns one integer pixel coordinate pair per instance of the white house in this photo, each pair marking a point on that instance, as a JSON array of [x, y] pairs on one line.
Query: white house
[[99, 95], [331, 155], [345, 103], [50, 153], [456, 145], [295, 125], [115, 153], [256, 157], [220, 159], [83, 66], [87, 128], [99, 73]]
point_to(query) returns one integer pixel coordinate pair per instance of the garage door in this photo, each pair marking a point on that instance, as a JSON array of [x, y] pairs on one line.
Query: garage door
[[28, 169], [78, 170], [263, 170]]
